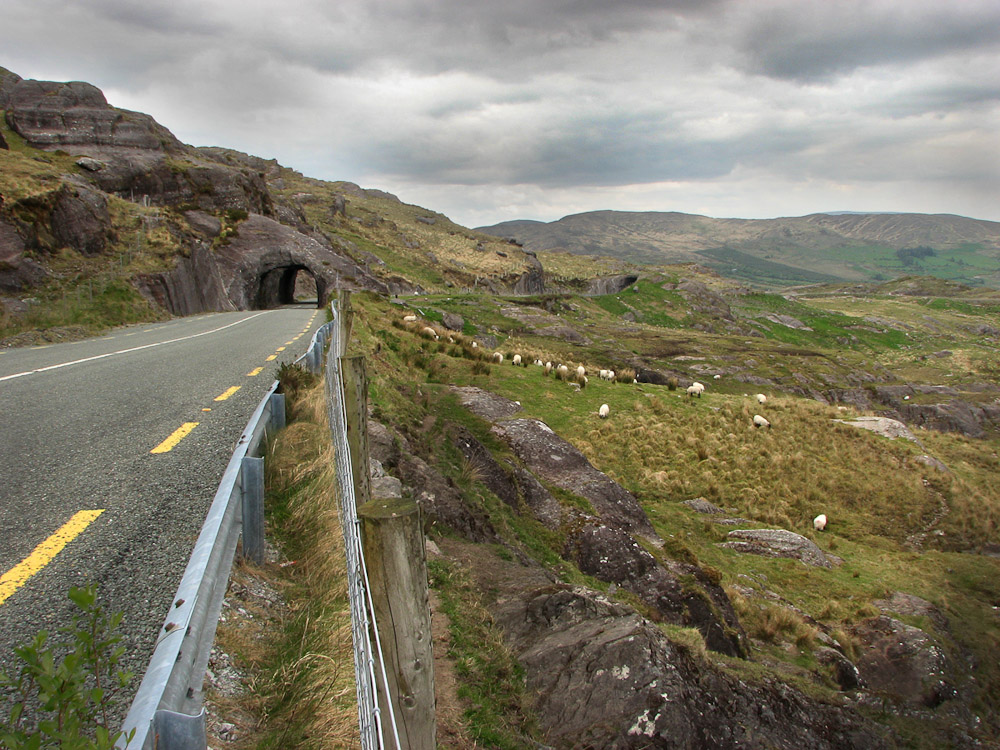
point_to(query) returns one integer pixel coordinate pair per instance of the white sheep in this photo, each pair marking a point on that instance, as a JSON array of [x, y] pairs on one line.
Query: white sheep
[[761, 399], [695, 389], [539, 363], [819, 522], [759, 421], [563, 370], [603, 374], [611, 375], [581, 371], [429, 333], [498, 358], [475, 345], [604, 411], [516, 360], [409, 318]]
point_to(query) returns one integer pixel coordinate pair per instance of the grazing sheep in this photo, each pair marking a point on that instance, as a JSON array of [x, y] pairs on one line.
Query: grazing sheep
[[563, 371], [475, 345], [603, 374], [429, 333], [547, 368], [819, 522], [759, 421], [604, 411], [761, 399], [516, 360], [498, 358], [611, 376], [695, 389], [539, 363], [409, 318], [581, 371]]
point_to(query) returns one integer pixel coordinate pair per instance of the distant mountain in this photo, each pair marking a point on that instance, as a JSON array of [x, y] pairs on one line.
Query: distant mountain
[[779, 252]]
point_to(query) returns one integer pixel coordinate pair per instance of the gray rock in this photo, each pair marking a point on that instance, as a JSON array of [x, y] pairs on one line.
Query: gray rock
[[205, 224], [777, 543], [554, 460], [487, 405], [682, 594], [386, 488], [452, 321], [442, 502], [610, 284], [846, 674], [80, 219], [602, 676], [903, 661], [701, 505], [91, 165]]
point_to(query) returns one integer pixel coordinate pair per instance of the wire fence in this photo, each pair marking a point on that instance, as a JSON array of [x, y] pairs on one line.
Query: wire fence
[[368, 660]]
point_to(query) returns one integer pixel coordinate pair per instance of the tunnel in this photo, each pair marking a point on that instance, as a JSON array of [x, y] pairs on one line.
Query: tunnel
[[289, 285]]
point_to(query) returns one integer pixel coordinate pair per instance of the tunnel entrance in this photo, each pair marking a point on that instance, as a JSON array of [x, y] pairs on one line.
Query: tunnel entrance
[[289, 285]]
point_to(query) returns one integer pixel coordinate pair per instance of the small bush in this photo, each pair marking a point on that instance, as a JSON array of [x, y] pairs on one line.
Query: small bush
[[480, 368]]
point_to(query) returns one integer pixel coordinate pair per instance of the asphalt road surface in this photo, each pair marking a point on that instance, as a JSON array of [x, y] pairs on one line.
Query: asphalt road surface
[[78, 426]]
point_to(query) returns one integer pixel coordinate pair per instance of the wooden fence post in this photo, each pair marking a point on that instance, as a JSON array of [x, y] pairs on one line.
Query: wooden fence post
[[355, 375], [393, 542]]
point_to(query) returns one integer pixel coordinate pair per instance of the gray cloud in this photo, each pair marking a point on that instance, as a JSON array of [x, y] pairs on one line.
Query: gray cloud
[[702, 103]]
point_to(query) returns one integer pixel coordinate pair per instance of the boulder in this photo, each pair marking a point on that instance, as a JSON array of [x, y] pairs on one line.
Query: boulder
[[603, 676], [452, 321], [903, 662], [682, 594], [777, 543], [16, 271], [531, 281], [556, 461], [80, 219], [701, 505], [442, 502], [846, 674]]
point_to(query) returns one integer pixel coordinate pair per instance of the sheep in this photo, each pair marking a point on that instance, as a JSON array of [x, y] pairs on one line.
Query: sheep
[[819, 522], [516, 360], [603, 374], [475, 345], [759, 421], [581, 371], [409, 318], [498, 358], [547, 368], [761, 399], [429, 333], [562, 371], [695, 389], [604, 411], [539, 363]]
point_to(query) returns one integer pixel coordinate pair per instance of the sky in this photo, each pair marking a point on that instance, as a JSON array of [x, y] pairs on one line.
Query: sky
[[492, 110]]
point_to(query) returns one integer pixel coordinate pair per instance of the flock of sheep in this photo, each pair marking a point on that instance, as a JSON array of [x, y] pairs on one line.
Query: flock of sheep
[[579, 376]]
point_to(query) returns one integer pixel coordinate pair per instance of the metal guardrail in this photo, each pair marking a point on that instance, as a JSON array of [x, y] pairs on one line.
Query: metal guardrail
[[167, 712]]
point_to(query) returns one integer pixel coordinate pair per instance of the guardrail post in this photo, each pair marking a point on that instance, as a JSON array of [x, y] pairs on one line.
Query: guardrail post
[[252, 485], [277, 411], [393, 543]]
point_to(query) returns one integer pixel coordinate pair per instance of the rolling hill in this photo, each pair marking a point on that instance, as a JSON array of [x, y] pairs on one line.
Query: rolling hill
[[781, 252]]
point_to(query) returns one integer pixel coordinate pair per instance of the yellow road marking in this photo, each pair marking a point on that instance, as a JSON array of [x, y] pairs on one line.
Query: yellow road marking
[[281, 349], [179, 434], [229, 392], [42, 555], [255, 372], [206, 409], [271, 358], [289, 343]]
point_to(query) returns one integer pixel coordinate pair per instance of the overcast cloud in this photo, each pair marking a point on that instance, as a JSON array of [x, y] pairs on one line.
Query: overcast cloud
[[489, 111]]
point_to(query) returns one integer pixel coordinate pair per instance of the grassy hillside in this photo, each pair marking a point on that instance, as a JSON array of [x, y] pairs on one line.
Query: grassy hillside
[[667, 448]]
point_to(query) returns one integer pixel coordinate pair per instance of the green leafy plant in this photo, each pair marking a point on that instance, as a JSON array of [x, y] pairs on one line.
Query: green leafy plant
[[70, 685]]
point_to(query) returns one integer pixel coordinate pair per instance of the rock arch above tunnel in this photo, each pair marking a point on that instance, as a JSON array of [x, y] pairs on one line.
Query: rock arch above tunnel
[[277, 286]]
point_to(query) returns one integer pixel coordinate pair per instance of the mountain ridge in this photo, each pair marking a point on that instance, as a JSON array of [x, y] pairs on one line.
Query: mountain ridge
[[841, 246]]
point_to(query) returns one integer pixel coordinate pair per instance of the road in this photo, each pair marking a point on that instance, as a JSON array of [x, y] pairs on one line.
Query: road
[[80, 423]]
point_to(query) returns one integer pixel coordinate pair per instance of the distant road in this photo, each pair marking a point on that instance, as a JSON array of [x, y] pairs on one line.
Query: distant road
[[79, 422]]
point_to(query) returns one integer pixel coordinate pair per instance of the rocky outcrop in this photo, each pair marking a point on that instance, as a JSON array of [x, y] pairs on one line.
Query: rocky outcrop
[[80, 219], [16, 272], [605, 677], [680, 593], [531, 281], [903, 662], [549, 456], [610, 284], [256, 269]]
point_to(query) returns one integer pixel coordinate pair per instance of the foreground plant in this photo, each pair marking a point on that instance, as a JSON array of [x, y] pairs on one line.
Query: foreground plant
[[70, 685]]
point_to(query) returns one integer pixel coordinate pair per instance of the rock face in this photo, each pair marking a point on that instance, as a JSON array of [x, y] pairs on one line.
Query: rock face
[[533, 280], [548, 455], [903, 662], [255, 270], [80, 219], [605, 677], [610, 284], [16, 271]]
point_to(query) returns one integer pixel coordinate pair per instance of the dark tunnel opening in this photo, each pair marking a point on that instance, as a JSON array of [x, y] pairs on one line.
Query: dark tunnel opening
[[289, 285]]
